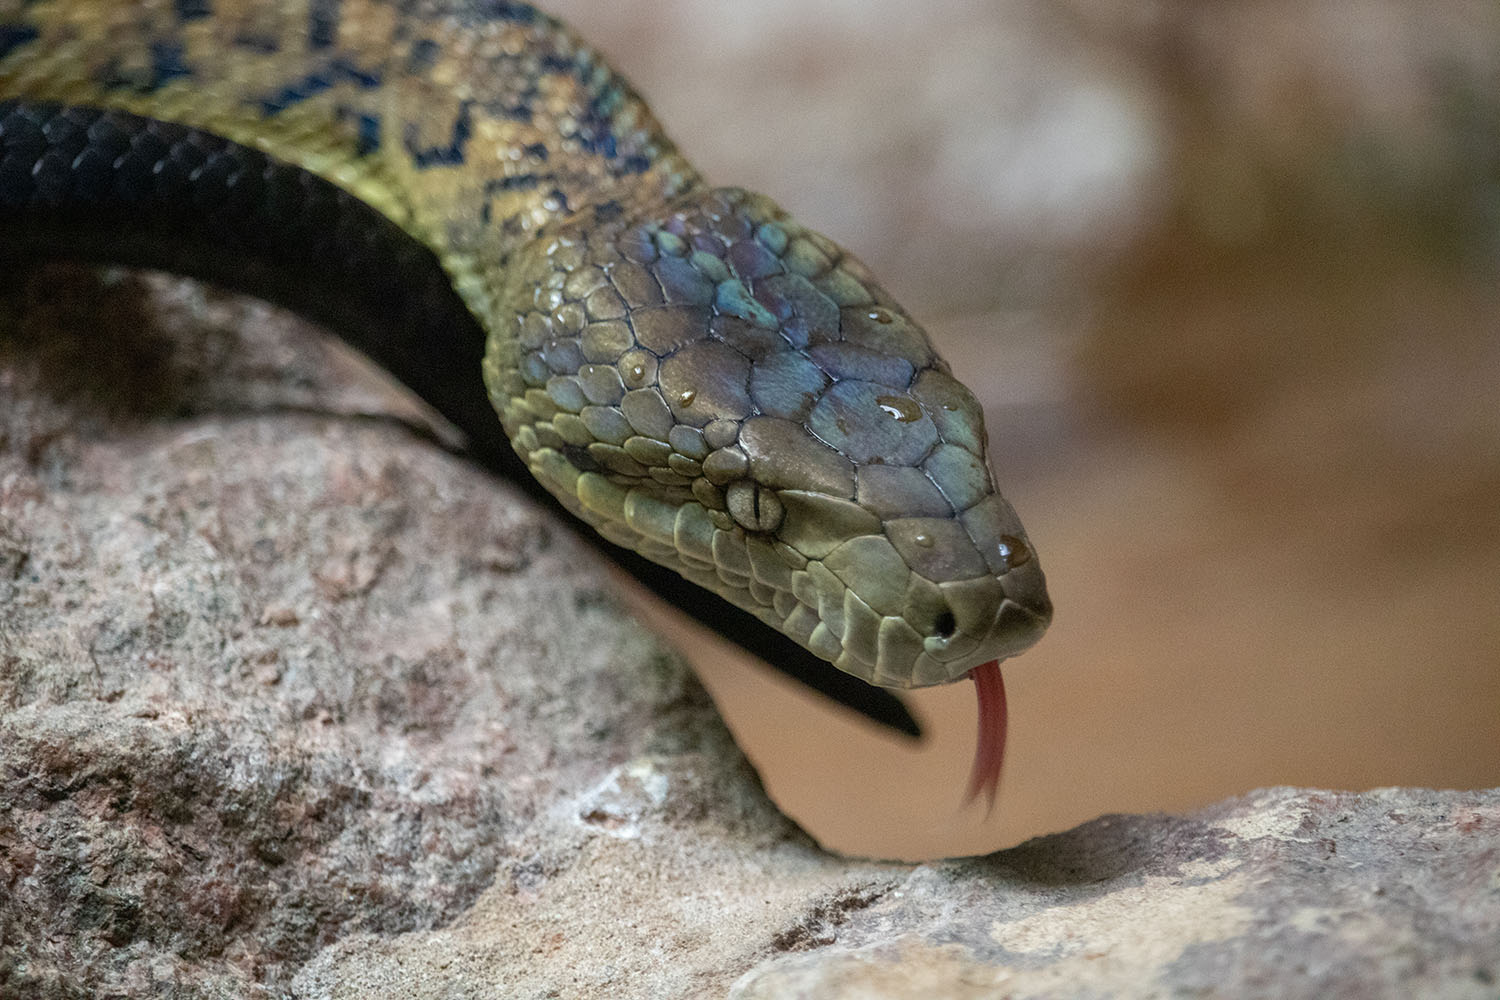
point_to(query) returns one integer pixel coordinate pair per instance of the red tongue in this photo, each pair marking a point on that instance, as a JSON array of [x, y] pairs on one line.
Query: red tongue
[[989, 754]]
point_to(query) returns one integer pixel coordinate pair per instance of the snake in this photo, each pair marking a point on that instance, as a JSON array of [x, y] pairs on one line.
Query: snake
[[471, 196]]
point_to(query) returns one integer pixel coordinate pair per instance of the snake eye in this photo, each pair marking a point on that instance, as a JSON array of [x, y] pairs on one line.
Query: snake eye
[[753, 507]]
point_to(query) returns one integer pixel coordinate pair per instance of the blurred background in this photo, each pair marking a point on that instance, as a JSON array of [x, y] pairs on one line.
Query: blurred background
[[1224, 275]]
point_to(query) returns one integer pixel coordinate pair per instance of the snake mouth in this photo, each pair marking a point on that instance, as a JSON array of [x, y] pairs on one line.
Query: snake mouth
[[1015, 629], [898, 628], [990, 618], [979, 624]]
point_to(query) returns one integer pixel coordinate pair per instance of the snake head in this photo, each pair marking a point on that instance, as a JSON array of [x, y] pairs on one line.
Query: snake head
[[734, 396]]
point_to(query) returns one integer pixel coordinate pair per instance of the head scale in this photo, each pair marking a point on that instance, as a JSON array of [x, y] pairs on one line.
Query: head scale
[[735, 397]]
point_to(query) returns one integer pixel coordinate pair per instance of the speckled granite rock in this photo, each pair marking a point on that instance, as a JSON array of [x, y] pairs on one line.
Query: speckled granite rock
[[295, 704]]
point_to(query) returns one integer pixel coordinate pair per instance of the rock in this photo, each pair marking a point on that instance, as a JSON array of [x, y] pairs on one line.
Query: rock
[[1284, 892], [273, 679], [298, 704]]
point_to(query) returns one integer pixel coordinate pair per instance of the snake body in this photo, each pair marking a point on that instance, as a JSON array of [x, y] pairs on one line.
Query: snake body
[[687, 369]]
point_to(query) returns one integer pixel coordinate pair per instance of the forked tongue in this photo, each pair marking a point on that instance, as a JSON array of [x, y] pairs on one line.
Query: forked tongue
[[989, 752]]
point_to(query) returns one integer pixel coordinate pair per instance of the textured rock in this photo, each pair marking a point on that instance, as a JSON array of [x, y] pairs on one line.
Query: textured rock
[[260, 672], [297, 704], [1284, 892]]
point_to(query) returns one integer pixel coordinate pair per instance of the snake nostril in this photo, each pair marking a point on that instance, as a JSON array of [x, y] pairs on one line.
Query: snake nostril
[[945, 625]]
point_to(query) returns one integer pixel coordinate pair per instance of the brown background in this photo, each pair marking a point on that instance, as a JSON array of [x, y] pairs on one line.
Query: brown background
[[1225, 278]]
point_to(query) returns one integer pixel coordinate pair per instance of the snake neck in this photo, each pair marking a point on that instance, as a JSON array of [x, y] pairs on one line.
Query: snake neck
[[471, 125]]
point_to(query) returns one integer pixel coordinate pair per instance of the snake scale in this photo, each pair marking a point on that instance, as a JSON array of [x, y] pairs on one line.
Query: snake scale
[[464, 185]]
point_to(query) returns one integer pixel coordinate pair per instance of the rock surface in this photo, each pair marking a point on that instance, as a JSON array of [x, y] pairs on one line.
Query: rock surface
[[1284, 892], [295, 704]]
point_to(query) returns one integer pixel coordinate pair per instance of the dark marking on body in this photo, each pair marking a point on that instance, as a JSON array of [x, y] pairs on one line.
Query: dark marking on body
[[364, 126], [192, 10], [502, 10], [14, 35], [451, 155], [335, 72], [518, 113], [367, 134], [424, 53], [167, 64], [365, 78], [596, 128], [518, 182], [322, 23]]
